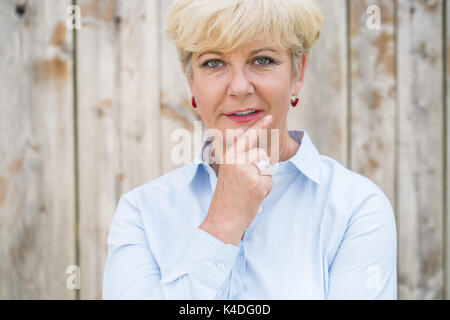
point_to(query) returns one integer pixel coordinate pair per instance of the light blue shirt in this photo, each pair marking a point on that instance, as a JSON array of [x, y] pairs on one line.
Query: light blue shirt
[[323, 232]]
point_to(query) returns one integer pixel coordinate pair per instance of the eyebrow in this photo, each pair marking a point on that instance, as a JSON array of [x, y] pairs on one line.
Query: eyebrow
[[251, 53]]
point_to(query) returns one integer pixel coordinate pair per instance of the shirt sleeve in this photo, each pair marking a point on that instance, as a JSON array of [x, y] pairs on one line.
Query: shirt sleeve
[[132, 272], [365, 264]]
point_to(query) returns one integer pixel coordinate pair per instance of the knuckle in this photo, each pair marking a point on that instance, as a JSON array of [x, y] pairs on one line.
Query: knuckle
[[268, 187], [254, 180], [260, 192], [264, 186], [243, 172]]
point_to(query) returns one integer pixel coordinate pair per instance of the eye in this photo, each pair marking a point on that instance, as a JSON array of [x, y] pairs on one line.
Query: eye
[[212, 63], [261, 60]]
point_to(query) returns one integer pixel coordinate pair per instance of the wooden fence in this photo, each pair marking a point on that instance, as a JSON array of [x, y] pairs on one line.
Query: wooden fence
[[86, 115]]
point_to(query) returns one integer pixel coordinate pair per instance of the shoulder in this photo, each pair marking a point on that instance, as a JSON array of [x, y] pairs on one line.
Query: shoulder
[[162, 188], [363, 197], [333, 171]]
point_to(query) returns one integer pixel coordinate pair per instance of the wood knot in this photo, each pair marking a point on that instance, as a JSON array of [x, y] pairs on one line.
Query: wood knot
[[20, 9]]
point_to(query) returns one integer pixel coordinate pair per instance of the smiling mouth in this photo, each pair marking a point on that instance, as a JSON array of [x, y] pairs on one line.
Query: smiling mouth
[[245, 116], [245, 112]]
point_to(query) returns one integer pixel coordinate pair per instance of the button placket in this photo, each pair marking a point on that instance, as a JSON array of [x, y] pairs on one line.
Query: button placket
[[237, 275]]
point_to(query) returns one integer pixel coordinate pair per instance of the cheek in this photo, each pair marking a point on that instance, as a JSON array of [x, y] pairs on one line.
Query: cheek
[[209, 98], [276, 94], [277, 84], [210, 92]]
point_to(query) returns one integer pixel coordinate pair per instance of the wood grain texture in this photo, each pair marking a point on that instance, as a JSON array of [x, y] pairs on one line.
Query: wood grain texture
[[372, 95], [37, 205], [420, 149], [447, 155], [322, 110], [176, 107], [119, 119], [373, 99]]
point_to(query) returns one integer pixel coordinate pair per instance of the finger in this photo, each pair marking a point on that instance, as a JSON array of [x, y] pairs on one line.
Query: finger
[[247, 157], [248, 139], [264, 168], [252, 155], [259, 159]]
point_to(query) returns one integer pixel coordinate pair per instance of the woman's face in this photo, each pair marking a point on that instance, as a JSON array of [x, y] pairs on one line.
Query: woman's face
[[256, 75]]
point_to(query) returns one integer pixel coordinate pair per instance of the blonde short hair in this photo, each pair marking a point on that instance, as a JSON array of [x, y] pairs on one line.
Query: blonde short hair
[[223, 25]]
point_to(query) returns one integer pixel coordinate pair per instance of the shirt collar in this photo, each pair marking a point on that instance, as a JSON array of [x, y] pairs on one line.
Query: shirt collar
[[306, 160]]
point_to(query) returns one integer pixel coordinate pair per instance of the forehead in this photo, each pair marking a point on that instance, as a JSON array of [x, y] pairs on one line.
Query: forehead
[[251, 48]]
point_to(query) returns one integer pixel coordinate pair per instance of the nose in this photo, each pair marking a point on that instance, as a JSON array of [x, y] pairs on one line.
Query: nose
[[240, 86]]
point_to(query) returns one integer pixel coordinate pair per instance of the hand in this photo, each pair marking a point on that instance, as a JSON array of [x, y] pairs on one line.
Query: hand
[[240, 188]]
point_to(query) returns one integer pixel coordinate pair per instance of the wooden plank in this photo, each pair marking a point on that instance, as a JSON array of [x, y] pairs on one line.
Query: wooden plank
[[420, 149], [372, 97], [322, 110], [176, 107], [447, 195], [119, 118], [37, 200]]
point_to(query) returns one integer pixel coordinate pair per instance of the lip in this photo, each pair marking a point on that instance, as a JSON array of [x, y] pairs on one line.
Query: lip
[[236, 111], [247, 118]]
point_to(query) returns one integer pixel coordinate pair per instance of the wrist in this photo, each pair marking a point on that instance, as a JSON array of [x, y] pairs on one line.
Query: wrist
[[227, 231]]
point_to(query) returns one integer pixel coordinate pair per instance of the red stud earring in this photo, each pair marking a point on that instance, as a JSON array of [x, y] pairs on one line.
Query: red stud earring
[[294, 100], [194, 104]]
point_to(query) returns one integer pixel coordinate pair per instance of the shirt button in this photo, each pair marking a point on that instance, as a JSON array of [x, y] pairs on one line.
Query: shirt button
[[220, 266], [260, 209]]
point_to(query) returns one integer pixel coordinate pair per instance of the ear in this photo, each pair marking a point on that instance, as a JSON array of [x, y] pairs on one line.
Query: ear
[[301, 62]]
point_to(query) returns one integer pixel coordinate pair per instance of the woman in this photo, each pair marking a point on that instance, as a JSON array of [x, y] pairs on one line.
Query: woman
[[302, 227]]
